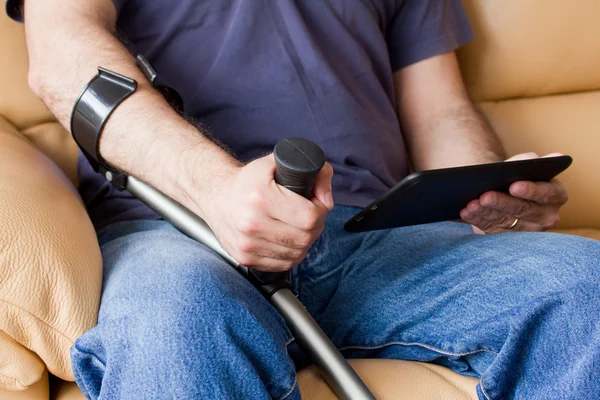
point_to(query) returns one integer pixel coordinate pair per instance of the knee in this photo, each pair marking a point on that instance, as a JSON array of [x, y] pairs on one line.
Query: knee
[[164, 283], [163, 267], [172, 308], [557, 261]]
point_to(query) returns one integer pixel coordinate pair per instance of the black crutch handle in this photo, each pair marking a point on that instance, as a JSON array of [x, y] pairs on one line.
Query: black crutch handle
[[298, 161]]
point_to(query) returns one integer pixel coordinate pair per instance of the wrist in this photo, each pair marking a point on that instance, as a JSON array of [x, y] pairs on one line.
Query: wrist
[[206, 175]]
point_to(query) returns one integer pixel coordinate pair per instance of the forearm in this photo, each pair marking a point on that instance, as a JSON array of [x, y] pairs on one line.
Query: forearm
[[144, 136], [458, 135], [441, 126]]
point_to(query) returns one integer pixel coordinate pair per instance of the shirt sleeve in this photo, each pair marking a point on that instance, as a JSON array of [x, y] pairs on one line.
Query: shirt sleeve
[[421, 29], [14, 9], [119, 5]]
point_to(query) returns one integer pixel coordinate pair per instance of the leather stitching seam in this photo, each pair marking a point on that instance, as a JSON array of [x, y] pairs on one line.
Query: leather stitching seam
[[40, 320], [18, 381]]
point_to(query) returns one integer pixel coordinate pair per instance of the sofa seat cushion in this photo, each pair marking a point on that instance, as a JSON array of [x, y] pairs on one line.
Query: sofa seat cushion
[[588, 233], [388, 379], [50, 264], [37, 391], [397, 380]]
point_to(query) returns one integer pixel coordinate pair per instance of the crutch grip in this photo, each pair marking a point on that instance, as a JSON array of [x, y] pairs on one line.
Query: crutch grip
[[298, 162]]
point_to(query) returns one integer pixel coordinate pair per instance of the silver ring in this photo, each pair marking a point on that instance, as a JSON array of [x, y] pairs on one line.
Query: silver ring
[[514, 223]]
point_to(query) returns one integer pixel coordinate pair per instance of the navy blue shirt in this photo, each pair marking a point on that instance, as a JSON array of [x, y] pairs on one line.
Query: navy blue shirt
[[257, 71]]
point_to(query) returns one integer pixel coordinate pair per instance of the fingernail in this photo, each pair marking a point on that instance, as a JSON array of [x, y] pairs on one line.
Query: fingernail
[[519, 190]]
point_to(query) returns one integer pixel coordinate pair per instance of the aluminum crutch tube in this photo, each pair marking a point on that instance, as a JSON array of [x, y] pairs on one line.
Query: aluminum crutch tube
[[298, 162]]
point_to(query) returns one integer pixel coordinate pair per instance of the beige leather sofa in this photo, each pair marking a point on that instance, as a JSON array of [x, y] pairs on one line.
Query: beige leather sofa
[[533, 68]]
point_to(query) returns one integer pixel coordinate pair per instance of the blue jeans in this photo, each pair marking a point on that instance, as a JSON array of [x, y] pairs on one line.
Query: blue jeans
[[519, 310]]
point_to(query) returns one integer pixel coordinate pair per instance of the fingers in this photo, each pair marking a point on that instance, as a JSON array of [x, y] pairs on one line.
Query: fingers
[[545, 193], [266, 165], [513, 206], [523, 156], [283, 235], [270, 245], [494, 221], [294, 210], [532, 155], [266, 256], [553, 155], [263, 225], [543, 216], [535, 204], [322, 187], [501, 215]]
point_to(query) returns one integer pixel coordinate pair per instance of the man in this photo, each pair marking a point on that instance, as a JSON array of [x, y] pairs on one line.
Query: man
[[374, 83]]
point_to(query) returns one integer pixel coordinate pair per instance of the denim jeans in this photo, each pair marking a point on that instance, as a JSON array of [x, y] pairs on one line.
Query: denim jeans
[[518, 310]]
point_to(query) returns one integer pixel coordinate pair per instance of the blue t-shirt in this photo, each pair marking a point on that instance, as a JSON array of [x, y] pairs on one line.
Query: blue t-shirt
[[257, 71]]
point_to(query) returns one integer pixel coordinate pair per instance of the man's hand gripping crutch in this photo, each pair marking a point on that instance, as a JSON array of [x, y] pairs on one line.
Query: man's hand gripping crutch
[[297, 163]]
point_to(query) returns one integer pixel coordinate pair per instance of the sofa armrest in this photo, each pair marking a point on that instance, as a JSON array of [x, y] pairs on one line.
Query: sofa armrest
[[50, 263]]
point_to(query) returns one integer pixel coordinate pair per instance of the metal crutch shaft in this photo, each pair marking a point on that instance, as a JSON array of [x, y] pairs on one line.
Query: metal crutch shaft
[[344, 381]]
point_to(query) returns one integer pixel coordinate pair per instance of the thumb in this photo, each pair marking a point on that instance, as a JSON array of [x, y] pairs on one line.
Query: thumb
[[322, 187], [523, 156], [266, 166]]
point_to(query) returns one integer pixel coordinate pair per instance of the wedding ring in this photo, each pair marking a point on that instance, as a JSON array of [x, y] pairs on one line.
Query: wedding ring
[[514, 223]]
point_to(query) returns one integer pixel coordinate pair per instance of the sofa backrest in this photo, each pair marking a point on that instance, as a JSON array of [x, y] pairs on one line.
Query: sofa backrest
[[21, 108], [533, 67]]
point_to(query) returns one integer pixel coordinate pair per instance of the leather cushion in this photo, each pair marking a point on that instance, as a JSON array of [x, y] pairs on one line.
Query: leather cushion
[[37, 391], [563, 123], [388, 379], [531, 48], [18, 104], [50, 264], [396, 380]]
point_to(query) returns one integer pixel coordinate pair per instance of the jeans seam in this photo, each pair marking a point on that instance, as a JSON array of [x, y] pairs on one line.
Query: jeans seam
[[485, 393], [84, 389], [89, 354], [289, 392], [420, 344]]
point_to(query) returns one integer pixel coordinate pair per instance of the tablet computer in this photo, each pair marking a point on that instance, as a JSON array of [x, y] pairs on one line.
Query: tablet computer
[[440, 194]]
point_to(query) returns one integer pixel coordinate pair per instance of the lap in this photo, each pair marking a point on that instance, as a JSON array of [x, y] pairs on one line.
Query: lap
[[175, 318], [438, 290], [151, 269]]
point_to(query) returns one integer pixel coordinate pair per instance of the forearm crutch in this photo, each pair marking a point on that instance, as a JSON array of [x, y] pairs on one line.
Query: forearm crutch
[[298, 162]]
